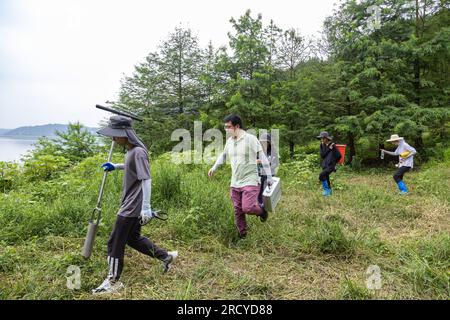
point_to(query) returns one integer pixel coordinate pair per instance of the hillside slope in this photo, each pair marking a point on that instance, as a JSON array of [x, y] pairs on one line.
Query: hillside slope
[[310, 248], [48, 130]]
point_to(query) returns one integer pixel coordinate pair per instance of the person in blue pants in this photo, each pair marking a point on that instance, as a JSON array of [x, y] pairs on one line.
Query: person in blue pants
[[330, 156]]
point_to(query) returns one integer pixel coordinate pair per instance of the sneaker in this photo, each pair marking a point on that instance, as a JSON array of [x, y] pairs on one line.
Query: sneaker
[[264, 215], [108, 286], [167, 262], [242, 235]]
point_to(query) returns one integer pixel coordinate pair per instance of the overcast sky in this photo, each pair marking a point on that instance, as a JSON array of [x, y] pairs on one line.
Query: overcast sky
[[58, 58]]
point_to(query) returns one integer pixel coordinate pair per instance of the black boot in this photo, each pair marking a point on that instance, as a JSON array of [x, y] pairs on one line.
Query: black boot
[[264, 215]]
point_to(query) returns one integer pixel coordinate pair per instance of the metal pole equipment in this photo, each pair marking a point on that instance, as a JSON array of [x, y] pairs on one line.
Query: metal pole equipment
[[95, 215], [94, 220], [121, 113]]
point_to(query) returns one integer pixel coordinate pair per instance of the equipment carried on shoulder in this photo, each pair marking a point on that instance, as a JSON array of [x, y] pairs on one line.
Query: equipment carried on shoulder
[[94, 220], [340, 154]]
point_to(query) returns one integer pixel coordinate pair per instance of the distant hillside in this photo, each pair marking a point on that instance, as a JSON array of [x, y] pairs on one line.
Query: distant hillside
[[48, 130]]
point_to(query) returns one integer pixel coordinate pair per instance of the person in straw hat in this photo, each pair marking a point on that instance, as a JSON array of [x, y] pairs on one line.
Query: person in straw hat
[[406, 160], [330, 156], [135, 209]]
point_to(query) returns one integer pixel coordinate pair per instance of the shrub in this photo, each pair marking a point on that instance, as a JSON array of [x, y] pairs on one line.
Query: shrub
[[167, 183], [356, 163], [45, 167], [9, 258], [312, 147], [9, 175], [301, 172], [198, 206]]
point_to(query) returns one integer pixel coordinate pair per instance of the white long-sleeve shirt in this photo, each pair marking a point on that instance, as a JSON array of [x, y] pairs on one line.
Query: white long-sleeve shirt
[[242, 154], [402, 147]]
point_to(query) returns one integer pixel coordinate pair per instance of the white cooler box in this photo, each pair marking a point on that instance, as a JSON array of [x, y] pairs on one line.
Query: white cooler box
[[272, 194]]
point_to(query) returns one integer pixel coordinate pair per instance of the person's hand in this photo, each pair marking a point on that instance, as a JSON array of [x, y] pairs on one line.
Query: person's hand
[[146, 216], [108, 166], [210, 173], [382, 150], [270, 182], [331, 146], [258, 161]]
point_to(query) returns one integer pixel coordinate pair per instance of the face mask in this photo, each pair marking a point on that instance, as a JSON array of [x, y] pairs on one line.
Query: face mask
[[229, 131]]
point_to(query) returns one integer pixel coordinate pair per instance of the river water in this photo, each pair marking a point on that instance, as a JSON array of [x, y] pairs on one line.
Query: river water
[[12, 149]]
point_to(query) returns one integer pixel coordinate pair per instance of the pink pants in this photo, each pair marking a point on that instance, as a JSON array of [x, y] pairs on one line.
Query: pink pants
[[245, 201]]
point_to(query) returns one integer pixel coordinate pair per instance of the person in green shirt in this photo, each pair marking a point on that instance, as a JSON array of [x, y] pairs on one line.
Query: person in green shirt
[[242, 150]]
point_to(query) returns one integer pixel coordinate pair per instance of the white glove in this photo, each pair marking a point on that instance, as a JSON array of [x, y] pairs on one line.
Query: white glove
[[146, 216], [146, 211]]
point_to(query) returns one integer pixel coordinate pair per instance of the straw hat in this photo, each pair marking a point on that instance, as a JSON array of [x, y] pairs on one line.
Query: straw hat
[[394, 137]]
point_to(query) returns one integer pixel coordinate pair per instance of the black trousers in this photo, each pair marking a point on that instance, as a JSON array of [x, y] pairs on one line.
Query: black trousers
[[127, 231], [398, 176], [262, 186], [325, 175]]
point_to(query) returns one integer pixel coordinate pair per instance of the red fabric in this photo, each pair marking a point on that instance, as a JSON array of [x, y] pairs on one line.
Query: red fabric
[[245, 201]]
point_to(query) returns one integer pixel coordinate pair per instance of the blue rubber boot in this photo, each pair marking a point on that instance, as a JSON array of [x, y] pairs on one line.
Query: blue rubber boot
[[402, 187], [326, 189]]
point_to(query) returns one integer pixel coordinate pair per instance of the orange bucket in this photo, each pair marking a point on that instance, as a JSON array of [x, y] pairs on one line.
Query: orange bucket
[[341, 149]]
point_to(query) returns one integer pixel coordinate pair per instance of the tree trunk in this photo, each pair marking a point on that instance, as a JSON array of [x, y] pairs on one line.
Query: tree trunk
[[416, 60], [180, 95], [351, 147], [180, 80], [418, 143], [291, 148]]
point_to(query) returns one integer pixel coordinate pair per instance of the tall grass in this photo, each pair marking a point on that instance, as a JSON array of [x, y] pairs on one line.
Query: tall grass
[[310, 247]]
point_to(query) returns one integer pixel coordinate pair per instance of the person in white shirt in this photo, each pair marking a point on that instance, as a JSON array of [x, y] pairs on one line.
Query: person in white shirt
[[406, 160]]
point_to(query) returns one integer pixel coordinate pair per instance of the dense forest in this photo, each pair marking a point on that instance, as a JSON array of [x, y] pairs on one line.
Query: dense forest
[[362, 80]]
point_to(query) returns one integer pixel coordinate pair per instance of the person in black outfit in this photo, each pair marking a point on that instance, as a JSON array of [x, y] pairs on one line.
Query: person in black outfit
[[135, 208], [330, 155], [274, 161]]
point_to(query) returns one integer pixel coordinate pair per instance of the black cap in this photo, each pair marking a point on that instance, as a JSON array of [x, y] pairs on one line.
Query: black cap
[[324, 134]]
